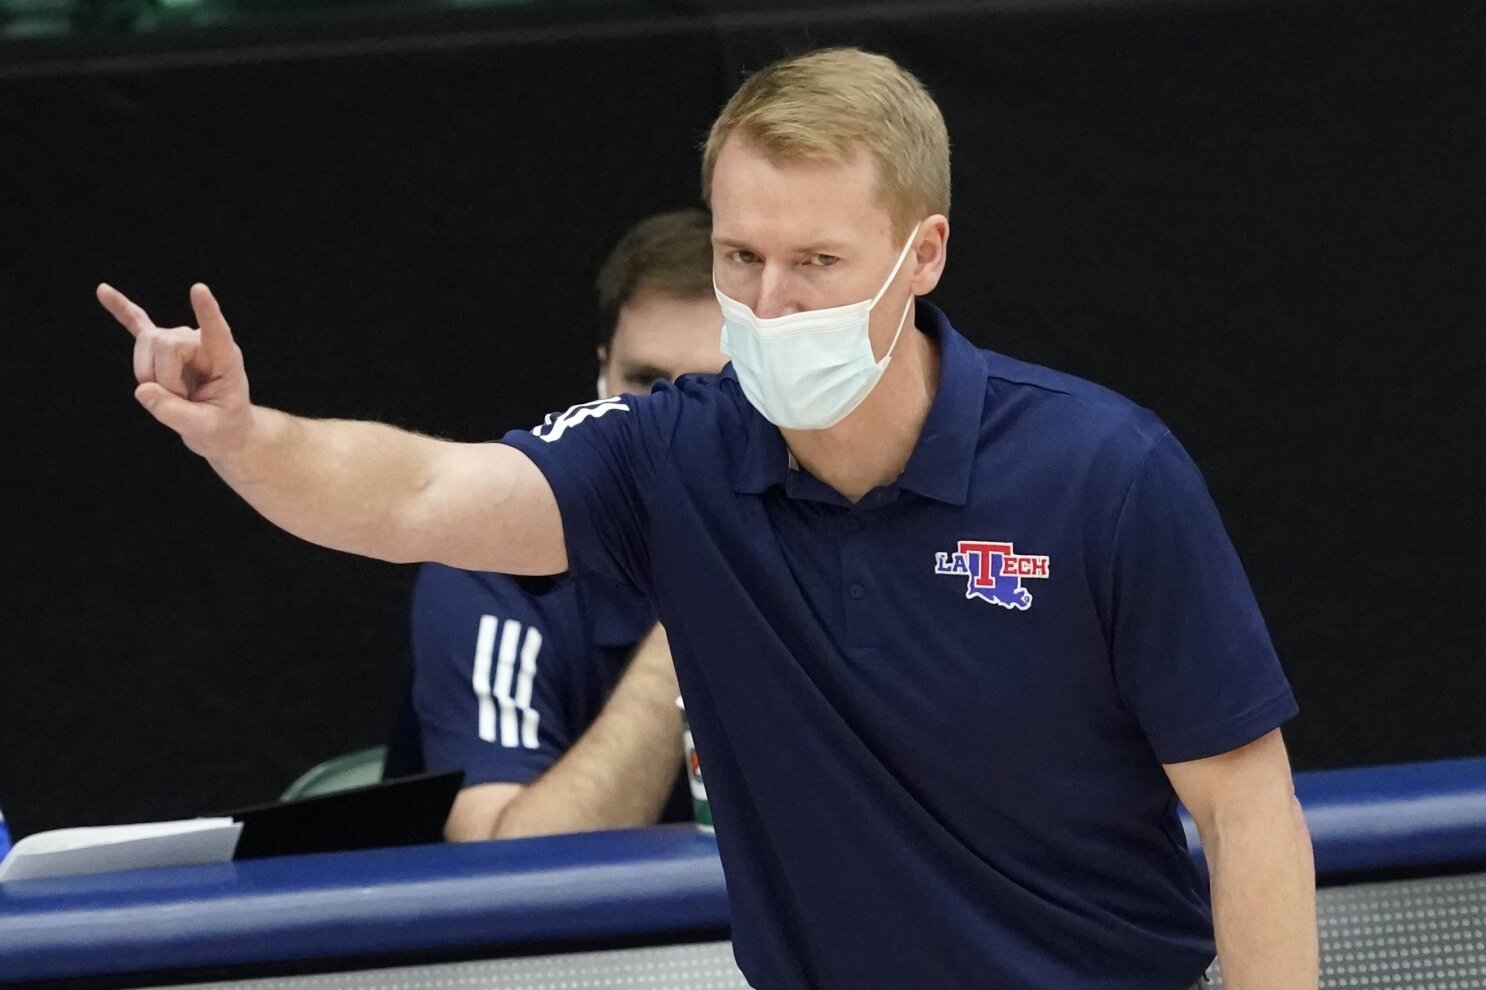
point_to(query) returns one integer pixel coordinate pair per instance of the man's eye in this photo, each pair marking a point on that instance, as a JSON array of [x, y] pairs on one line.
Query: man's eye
[[745, 257], [823, 260]]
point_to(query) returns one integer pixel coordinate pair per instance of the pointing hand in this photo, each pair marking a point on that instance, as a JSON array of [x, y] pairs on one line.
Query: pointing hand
[[191, 380]]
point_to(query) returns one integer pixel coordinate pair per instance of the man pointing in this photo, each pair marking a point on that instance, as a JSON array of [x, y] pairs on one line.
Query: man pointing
[[955, 632]]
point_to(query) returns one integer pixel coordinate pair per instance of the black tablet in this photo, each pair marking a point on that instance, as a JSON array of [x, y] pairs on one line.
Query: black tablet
[[406, 811]]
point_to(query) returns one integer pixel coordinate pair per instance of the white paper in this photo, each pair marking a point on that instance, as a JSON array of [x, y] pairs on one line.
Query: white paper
[[106, 848]]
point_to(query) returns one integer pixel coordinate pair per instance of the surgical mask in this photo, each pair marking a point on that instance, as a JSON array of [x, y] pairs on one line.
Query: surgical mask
[[807, 371]]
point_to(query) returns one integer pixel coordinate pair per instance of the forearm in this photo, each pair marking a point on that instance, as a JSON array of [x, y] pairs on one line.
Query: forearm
[[620, 772], [360, 487], [1264, 901], [338, 483]]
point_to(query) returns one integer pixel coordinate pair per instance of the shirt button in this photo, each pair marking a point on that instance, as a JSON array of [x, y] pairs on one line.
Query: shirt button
[[852, 525], [856, 591]]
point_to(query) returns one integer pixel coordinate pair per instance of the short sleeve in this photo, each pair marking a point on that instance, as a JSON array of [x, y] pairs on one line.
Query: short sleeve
[[599, 458], [488, 670], [1192, 657]]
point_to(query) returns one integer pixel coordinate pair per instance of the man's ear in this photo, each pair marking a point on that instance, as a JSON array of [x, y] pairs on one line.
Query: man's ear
[[930, 254], [601, 385]]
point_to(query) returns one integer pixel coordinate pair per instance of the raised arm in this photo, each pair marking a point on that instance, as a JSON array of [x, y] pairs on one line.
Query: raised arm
[[364, 488]]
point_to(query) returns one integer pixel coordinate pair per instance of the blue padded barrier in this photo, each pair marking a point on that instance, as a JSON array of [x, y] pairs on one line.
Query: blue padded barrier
[[1404, 814], [644, 884], [641, 882]]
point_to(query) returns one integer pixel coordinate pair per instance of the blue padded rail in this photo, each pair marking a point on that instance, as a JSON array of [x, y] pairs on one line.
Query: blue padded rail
[[640, 882], [645, 883], [1403, 814]]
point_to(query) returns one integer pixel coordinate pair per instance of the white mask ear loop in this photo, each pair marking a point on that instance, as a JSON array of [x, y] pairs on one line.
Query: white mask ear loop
[[904, 318], [901, 321], [896, 268]]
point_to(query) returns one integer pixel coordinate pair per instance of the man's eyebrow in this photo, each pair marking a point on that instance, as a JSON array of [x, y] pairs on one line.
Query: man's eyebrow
[[644, 373]]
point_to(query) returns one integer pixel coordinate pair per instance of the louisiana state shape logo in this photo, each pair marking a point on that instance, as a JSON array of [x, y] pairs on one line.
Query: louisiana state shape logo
[[993, 572]]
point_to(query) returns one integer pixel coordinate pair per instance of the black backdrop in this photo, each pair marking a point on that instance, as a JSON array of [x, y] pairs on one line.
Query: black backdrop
[[1263, 220]]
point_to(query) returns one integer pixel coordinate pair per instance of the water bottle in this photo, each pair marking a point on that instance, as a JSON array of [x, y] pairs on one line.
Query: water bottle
[[700, 806]]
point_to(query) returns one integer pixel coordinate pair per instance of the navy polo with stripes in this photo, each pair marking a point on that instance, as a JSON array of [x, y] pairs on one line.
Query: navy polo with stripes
[[509, 673]]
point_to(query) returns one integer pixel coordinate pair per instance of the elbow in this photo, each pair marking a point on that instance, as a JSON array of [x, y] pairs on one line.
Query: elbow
[[505, 826], [1278, 823], [417, 519], [509, 825], [519, 819]]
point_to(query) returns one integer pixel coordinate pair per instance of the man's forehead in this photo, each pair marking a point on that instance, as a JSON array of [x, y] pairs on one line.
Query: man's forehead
[[656, 322], [661, 336], [793, 203]]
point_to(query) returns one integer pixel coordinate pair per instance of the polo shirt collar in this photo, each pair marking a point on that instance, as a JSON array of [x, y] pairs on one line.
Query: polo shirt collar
[[765, 460], [941, 462], [944, 457]]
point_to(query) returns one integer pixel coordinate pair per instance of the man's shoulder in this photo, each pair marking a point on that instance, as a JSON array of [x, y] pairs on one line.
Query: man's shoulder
[[1084, 414], [717, 393], [708, 415], [692, 404]]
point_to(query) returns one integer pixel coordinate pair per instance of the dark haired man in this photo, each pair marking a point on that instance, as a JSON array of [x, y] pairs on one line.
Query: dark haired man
[[557, 697]]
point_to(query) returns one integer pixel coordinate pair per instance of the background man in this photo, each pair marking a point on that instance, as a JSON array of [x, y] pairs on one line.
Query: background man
[[558, 698], [955, 632]]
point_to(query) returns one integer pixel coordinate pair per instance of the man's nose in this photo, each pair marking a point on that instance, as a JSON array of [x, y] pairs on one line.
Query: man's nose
[[774, 293]]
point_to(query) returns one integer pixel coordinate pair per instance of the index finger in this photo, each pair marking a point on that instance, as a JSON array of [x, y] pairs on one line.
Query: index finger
[[130, 316], [216, 336]]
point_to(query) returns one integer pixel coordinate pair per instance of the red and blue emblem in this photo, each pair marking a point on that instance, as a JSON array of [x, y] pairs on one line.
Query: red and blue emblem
[[993, 571]]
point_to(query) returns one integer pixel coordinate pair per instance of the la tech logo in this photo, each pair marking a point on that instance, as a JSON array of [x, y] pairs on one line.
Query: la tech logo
[[993, 572]]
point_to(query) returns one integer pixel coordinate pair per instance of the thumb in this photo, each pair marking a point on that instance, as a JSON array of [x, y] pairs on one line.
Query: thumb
[[185, 417]]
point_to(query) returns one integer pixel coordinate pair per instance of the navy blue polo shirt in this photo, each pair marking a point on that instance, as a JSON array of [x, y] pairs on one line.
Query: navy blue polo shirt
[[933, 722], [508, 673]]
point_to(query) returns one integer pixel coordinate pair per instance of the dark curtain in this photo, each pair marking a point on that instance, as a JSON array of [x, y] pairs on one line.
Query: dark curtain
[[1262, 220]]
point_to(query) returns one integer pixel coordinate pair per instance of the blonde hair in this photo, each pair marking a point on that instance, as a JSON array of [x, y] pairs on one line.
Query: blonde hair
[[827, 104]]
